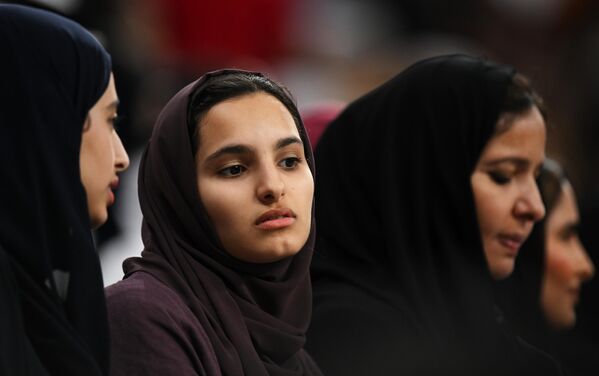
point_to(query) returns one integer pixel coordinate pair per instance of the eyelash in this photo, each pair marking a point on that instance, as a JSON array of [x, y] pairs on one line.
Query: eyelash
[[295, 161], [227, 172], [239, 169], [114, 122], [499, 178]]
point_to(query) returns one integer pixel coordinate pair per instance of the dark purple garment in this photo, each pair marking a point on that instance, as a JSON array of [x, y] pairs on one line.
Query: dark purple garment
[[154, 332]]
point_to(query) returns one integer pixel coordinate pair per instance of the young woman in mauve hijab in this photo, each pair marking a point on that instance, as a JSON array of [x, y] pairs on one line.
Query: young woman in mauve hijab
[[540, 298], [226, 189], [426, 192], [60, 157]]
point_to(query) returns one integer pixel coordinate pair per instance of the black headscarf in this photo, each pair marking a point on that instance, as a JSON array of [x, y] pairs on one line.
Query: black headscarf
[[54, 71], [399, 273], [255, 315]]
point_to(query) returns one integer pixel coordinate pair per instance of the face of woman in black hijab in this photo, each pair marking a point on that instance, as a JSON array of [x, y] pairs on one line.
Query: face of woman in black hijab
[[567, 265], [102, 156], [253, 178], [507, 198]]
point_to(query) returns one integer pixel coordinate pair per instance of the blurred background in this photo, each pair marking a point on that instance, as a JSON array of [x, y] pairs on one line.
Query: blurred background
[[328, 52]]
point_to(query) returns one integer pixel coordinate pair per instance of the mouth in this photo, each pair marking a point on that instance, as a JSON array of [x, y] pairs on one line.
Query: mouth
[[575, 292], [113, 185], [276, 219], [512, 242]]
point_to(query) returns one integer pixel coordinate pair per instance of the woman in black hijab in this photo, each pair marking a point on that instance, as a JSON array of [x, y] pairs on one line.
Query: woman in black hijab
[[226, 189], [59, 157], [426, 192], [540, 298]]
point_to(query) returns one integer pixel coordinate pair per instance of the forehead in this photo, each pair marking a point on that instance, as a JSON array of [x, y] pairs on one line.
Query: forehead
[[249, 119], [525, 138], [109, 98], [565, 209]]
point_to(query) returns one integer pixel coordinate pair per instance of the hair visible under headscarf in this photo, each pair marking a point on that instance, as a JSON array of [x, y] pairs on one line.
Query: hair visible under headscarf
[[54, 71], [255, 315]]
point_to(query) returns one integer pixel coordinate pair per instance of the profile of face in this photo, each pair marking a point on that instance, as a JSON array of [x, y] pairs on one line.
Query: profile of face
[[253, 178], [567, 264], [102, 156], [506, 195]]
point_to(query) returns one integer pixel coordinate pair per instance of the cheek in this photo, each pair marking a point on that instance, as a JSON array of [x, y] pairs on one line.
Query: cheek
[[492, 206], [303, 189], [220, 202], [558, 266]]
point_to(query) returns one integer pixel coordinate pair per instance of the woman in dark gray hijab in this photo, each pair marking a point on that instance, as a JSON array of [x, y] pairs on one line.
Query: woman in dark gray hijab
[[59, 159]]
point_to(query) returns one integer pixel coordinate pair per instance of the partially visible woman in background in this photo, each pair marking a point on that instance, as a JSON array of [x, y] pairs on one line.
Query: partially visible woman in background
[[540, 298], [60, 157]]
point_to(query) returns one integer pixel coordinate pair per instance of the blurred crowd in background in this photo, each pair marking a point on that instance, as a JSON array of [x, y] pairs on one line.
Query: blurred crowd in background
[[328, 52]]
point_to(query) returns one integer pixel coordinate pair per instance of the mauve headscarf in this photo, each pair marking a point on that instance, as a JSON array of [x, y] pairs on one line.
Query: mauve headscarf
[[53, 72], [255, 315]]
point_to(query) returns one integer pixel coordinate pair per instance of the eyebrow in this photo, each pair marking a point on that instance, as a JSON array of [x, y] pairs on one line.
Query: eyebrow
[[288, 141], [521, 162], [237, 149]]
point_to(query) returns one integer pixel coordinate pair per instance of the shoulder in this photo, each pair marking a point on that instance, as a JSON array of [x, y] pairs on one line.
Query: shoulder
[[140, 294], [142, 301], [153, 331]]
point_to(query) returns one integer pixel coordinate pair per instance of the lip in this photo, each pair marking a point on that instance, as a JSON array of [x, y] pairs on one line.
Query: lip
[[113, 185], [575, 292], [275, 219], [512, 242]]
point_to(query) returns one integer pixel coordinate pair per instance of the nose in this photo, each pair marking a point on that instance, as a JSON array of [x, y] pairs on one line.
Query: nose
[[121, 158], [586, 269], [270, 186], [530, 205]]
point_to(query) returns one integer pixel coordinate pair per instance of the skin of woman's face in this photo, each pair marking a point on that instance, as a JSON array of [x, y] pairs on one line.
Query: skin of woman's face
[[102, 156], [506, 195], [567, 264], [253, 178]]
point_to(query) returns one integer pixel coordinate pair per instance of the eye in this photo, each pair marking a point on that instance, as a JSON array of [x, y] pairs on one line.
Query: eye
[[499, 177], [289, 163], [232, 171], [114, 121]]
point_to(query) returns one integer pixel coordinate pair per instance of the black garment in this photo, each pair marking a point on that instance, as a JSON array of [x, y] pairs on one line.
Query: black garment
[[254, 315], [399, 274], [54, 71]]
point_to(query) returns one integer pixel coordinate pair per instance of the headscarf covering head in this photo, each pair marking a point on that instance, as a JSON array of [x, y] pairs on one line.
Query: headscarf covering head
[[255, 315], [396, 212], [54, 72]]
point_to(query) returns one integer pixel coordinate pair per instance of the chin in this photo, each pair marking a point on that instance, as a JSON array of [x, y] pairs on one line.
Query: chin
[[500, 272], [565, 320], [98, 219]]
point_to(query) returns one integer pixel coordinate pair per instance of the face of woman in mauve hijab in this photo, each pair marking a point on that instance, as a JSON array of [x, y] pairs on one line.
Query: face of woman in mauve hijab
[[102, 156], [507, 198], [567, 264], [253, 178]]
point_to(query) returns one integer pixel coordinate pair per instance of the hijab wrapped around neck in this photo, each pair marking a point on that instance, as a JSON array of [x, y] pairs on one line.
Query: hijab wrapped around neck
[[255, 315], [396, 213], [54, 71]]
